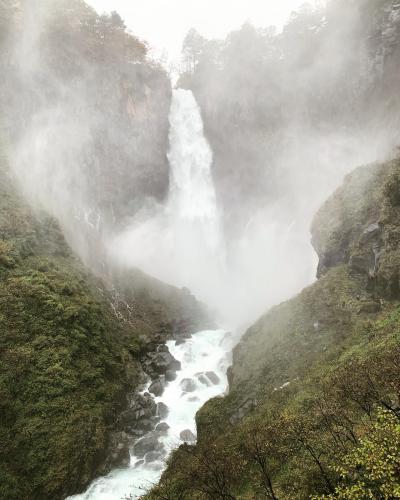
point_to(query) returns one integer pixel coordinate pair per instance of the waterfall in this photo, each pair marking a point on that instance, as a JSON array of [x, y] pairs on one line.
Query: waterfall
[[181, 243]]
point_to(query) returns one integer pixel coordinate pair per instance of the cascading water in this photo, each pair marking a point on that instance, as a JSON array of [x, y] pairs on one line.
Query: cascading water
[[181, 243], [204, 360], [188, 233]]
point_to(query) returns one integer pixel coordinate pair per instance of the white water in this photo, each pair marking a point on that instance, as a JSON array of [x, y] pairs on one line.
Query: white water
[[181, 243], [186, 233], [203, 352]]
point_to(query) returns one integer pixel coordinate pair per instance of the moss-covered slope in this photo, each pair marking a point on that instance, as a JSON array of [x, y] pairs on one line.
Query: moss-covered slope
[[69, 348], [313, 407]]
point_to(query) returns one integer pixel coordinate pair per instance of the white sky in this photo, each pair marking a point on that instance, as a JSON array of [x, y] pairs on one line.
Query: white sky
[[164, 23]]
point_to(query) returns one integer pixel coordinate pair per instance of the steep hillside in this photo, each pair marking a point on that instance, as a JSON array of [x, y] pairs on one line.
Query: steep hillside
[[71, 347], [86, 111], [313, 407]]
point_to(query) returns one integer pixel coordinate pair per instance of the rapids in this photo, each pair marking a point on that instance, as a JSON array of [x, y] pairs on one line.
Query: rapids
[[206, 351]]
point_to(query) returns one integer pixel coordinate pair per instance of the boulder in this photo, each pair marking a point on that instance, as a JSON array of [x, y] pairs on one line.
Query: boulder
[[213, 377], [159, 362], [170, 375], [157, 387], [187, 436], [201, 377], [146, 445], [162, 410], [188, 385], [142, 409], [162, 427], [153, 456]]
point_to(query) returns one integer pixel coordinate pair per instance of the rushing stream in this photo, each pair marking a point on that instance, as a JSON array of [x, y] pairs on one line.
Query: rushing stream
[[187, 233], [204, 359]]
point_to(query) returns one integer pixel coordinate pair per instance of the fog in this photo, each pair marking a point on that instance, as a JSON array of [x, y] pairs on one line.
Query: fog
[[219, 196], [157, 22]]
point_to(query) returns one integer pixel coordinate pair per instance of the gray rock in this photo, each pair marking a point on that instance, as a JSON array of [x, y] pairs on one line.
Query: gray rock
[[157, 387], [144, 424], [153, 456], [246, 408], [136, 432], [162, 410], [139, 463], [213, 377], [162, 427], [170, 375], [201, 377], [157, 363], [118, 450], [143, 405], [162, 348], [371, 232], [146, 445], [187, 436], [188, 385]]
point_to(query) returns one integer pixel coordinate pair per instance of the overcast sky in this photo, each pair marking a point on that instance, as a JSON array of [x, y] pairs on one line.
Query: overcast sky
[[164, 23]]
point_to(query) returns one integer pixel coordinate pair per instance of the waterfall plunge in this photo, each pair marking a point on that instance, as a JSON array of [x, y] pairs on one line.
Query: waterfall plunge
[[181, 243]]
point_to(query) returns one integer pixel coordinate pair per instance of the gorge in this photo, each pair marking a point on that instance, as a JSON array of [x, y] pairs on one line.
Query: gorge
[[199, 280]]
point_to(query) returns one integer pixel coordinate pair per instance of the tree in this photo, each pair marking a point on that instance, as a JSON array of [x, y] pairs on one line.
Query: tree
[[372, 469], [192, 47], [259, 446]]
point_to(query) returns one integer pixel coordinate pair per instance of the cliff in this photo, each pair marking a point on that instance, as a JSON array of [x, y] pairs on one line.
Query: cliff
[[86, 113], [72, 353], [284, 111], [313, 404]]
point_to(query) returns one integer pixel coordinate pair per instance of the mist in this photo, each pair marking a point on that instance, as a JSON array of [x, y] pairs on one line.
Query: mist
[[155, 246], [287, 118], [221, 203]]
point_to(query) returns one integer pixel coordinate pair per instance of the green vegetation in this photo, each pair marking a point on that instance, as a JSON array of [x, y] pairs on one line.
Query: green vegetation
[[69, 351], [62, 375], [314, 403]]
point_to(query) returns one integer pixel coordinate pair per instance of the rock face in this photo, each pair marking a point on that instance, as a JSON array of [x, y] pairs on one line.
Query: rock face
[[243, 116], [363, 233], [118, 451], [309, 363]]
